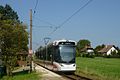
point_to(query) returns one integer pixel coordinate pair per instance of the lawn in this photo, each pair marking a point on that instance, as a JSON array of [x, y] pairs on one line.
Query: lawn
[[23, 76], [99, 68]]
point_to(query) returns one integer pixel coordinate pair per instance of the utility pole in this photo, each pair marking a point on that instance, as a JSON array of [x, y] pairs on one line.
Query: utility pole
[[30, 50]]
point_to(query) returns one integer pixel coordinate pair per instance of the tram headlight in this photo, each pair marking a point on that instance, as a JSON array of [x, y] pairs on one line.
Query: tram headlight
[[61, 65], [73, 64]]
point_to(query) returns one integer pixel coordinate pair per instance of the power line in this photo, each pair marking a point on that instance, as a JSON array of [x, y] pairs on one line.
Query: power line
[[35, 7], [46, 22], [34, 10], [40, 19], [42, 26], [70, 17], [65, 21]]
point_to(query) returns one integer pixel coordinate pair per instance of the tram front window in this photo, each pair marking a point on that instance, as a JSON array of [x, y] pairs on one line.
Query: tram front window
[[67, 53]]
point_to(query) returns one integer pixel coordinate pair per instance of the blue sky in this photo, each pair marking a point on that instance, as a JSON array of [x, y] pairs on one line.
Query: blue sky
[[98, 22]]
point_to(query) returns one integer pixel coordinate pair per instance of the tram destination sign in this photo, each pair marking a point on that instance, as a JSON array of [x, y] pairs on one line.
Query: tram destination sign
[[66, 43]]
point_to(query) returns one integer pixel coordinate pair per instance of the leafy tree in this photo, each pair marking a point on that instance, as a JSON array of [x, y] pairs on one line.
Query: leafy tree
[[8, 48], [13, 37], [114, 53], [40, 48], [98, 48], [82, 44], [119, 53], [8, 13], [21, 37], [9, 41]]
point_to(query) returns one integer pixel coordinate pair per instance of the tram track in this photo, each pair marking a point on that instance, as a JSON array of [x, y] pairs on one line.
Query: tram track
[[75, 77], [68, 76]]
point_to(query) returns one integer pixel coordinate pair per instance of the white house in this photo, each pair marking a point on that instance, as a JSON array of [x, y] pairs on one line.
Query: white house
[[108, 49]]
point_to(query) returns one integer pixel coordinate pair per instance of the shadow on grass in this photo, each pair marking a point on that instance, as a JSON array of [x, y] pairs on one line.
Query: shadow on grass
[[21, 72]]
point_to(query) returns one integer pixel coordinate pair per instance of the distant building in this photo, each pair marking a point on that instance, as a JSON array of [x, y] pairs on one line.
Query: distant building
[[87, 50], [108, 49]]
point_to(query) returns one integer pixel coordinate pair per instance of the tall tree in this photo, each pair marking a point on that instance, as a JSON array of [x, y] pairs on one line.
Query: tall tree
[[13, 37], [82, 43], [99, 47], [12, 40], [8, 48], [8, 13]]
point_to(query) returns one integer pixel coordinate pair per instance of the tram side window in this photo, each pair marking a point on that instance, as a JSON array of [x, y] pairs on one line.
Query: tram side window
[[57, 55], [49, 53], [44, 55]]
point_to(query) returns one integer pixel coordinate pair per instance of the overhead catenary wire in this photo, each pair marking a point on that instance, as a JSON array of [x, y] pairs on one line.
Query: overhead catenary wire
[[35, 7], [34, 12], [44, 21], [36, 26], [37, 17], [65, 21], [54, 27]]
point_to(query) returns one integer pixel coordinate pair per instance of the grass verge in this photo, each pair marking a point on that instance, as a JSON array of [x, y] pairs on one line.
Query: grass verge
[[99, 68], [23, 75]]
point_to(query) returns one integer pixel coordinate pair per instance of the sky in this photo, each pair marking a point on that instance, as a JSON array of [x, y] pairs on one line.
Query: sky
[[99, 21]]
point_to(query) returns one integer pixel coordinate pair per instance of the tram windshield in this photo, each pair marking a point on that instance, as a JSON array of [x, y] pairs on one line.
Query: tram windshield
[[67, 53]]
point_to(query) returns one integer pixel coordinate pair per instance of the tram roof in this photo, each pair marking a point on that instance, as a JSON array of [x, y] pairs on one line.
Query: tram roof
[[56, 42]]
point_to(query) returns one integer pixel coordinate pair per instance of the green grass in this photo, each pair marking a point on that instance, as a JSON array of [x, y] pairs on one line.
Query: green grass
[[99, 68], [23, 76]]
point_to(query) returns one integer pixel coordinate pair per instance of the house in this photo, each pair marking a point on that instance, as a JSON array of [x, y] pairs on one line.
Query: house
[[87, 50], [108, 49]]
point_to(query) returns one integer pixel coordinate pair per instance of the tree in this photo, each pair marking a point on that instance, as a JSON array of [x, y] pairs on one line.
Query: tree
[[8, 48], [21, 37], [9, 41], [8, 13], [82, 44], [119, 53], [98, 48], [13, 37]]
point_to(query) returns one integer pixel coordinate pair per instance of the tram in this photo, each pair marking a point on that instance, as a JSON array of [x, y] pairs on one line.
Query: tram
[[58, 55]]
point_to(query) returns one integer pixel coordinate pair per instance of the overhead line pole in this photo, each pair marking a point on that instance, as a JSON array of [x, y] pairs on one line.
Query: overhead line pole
[[30, 50], [30, 29]]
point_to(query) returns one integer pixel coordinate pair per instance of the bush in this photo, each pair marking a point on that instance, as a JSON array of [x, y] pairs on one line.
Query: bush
[[78, 54], [107, 56], [2, 71], [89, 55], [112, 56]]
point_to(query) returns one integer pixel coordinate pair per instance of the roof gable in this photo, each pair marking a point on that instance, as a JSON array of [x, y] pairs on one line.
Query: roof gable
[[106, 48]]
